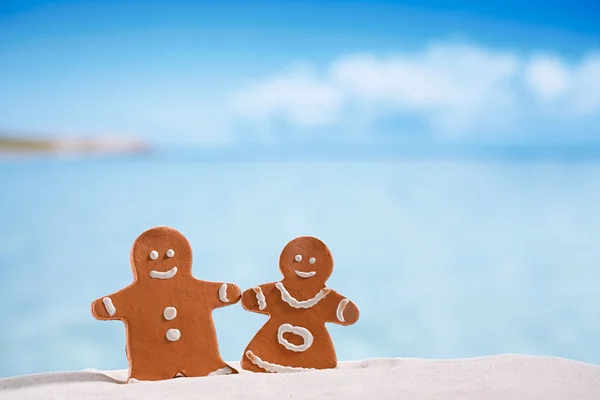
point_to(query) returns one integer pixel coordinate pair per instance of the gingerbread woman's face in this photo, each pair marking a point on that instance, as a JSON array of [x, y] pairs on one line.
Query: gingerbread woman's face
[[307, 259], [161, 253]]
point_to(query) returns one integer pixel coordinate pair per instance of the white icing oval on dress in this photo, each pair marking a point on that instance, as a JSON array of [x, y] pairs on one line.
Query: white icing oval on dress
[[312, 260], [296, 330], [170, 253], [173, 335], [170, 313], [154, 254], [298, 257]]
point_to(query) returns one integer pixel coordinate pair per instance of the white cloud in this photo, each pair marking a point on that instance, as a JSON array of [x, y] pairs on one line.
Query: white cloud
[[295, 96], [547, 76], [441, 78], [452, 89], [586, 86], [572, 90]]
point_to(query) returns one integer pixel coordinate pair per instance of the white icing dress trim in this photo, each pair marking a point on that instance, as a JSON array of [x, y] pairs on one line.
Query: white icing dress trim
[[222, 371], [163, 275], [262, 302], [287, 297], [133, 380], [223, 293], [340, 310], [270, 367], [108, 305], [179, 375], [296, 330], [304, 274]]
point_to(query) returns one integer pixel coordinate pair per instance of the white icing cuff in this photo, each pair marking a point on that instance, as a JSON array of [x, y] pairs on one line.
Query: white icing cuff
[[340, 310], [108, 305], [223, 293], [297, 330], [262, 301]]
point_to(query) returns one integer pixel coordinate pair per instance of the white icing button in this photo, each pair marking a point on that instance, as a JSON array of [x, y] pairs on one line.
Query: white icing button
[[170, 253], [170, 313], [154, 254], [298, 257], [312, 260], [173, 335]]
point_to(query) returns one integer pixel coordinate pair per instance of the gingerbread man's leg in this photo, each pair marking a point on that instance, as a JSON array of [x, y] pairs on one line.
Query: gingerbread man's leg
[[137, 374], [198, 369], [150, 365]]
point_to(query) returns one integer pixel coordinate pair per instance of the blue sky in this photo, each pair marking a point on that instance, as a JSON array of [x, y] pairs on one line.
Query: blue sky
[[424, 71]]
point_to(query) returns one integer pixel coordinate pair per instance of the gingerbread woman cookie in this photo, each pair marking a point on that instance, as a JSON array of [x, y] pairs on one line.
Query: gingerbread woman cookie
[[167, 312], [295, 337]]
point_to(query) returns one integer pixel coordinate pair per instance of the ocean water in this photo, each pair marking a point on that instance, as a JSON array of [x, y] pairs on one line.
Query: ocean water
[[444, 257]]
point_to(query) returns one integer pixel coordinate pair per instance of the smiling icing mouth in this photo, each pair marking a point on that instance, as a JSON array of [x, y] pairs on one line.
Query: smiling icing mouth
[[163, 275], [304, 274]]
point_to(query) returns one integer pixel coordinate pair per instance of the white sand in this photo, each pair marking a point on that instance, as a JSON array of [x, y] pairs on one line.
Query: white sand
[[505, 377]]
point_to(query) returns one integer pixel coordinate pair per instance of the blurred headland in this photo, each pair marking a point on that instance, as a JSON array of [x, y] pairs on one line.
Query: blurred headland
[[12, 143]]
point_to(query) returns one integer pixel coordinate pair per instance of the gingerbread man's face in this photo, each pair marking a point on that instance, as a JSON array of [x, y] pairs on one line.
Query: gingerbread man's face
[[161, 253], [306, 258]]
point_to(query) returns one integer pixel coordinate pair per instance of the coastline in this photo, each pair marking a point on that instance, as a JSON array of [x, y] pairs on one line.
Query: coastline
[[12, 146]]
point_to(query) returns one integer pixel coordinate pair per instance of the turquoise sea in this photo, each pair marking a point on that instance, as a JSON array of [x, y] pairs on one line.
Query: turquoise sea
[[445, 256]]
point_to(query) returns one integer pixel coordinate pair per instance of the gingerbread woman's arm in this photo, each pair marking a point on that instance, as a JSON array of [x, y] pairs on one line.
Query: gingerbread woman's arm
[[222, 294], [255, 299], [340, 310], [112, 306]]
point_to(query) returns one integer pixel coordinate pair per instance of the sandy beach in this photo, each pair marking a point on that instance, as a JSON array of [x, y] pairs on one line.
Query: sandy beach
[[491, 378]]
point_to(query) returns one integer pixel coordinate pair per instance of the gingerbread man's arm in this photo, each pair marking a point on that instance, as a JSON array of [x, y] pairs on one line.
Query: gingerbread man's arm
[[255, 299], [222, 294], [340, 310], [112, 306]]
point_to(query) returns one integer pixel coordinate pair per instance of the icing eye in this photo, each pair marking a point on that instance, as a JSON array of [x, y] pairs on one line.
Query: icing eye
[[298, 257], [312, 260], [170, 253], [154, 254]]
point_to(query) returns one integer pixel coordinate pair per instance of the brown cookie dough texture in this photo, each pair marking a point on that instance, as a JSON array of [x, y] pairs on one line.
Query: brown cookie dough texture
[[295, 337], [167, 312]]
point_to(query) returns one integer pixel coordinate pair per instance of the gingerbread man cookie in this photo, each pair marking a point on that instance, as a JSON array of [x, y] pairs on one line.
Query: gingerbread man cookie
[[295, 337], [167, 312]]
